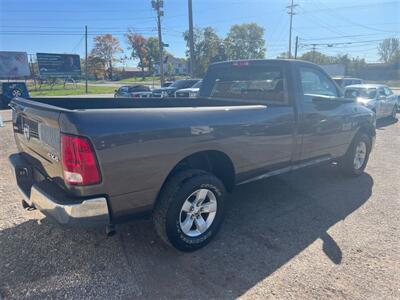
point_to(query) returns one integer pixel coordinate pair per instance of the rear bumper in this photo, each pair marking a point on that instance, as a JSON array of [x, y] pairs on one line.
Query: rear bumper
[[53, 202]]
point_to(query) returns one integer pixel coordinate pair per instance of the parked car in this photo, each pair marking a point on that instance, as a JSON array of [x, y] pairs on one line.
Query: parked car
[[133, 91], [378, 98], [398, 103], [10, 90], [177, 85], [95, 160], [167, 84], [192, 92], [345, 81]]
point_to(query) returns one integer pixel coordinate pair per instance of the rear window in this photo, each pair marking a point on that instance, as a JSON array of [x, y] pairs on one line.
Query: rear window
[[368, 93], [183, 84], [251, 83]]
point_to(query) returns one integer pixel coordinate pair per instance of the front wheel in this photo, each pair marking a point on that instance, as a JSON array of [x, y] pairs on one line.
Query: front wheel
[[356, 158], [190, 210]]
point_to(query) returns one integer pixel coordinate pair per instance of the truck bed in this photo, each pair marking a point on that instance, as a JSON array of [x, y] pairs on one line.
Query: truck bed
[[109, 103]]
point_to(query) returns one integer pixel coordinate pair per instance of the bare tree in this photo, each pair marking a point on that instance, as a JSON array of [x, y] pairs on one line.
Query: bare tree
[[389, 50]]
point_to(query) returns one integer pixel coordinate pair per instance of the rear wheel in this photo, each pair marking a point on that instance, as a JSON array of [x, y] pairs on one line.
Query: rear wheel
[[356, 158], [190, 210]]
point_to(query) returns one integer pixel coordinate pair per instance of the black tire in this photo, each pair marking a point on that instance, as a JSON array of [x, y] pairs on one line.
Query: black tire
[[167, 212], [347, 163]]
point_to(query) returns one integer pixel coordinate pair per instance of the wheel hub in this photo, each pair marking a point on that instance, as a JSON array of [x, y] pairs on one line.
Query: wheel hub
[[198, 212], [360, 155]]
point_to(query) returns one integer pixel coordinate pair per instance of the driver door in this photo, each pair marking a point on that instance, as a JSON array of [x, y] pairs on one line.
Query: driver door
[[381, 103], [325, 123]]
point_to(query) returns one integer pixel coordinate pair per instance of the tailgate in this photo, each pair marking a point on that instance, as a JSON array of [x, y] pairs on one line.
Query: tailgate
[[37, 135]]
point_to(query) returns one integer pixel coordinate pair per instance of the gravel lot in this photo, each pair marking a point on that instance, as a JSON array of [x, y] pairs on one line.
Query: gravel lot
[[308, 234]]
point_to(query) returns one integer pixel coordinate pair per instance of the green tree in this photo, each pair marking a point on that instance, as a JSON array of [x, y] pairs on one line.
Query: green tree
[[106, 47], [245, 41], [389, 50], [152, 53], [317, 58], [283, 55], [208, 48]]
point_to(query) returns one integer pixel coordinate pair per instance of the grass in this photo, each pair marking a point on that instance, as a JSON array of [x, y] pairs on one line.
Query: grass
[[147, 80], [59, 90]]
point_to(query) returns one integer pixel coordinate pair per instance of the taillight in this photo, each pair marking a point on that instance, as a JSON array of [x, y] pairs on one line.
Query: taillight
[[79, 161]]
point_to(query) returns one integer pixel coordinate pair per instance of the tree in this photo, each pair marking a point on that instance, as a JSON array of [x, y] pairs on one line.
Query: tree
[[152, 53], [389, 50], [170, 69], [317, 58], [245, 41], [208, 47], [137, 44], [106, 47], [283, 55], [95, 67]]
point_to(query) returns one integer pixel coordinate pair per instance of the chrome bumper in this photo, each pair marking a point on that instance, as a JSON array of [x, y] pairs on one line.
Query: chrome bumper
[[68, 211]]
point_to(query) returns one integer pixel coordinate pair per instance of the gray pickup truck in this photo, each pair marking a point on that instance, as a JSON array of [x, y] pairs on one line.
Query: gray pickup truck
[[107, 160]]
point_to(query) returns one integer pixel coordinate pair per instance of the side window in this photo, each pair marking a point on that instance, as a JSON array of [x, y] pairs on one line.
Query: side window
[[316, 83], [381, 92], [388, 92], [123, 89]]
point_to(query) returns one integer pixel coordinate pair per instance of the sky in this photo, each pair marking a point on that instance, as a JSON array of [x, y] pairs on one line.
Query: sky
[[348, 26]]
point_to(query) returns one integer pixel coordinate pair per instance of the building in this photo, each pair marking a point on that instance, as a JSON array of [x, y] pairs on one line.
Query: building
[[127, 72], [178, 66]]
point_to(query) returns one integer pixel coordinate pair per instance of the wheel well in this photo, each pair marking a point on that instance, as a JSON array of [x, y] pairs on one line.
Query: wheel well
[[367, 130], [215, 162]]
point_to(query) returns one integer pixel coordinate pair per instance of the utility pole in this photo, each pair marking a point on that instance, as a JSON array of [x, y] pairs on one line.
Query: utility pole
[[291, 13], [32, 66], [296, 47], [313, 52], [157, 6], [191, 43], [86, 62]]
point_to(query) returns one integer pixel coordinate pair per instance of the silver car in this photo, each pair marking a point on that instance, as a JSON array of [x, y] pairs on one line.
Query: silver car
[[377, 97]]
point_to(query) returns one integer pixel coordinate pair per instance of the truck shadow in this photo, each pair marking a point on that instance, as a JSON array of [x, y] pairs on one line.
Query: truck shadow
[[267, 224]]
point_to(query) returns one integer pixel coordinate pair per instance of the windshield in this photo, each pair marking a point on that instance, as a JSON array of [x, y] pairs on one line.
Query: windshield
[[197, 85], [338, 81], [368, 93], [183, 84]]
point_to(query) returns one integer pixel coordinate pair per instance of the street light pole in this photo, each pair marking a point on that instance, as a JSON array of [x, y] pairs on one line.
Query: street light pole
[[191, 43]]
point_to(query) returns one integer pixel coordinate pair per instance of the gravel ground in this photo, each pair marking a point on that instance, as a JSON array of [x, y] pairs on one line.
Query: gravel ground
[[308, 234]]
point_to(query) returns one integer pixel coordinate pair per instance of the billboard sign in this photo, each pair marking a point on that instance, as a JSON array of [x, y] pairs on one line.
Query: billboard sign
[[58, 65], [14, 64]]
